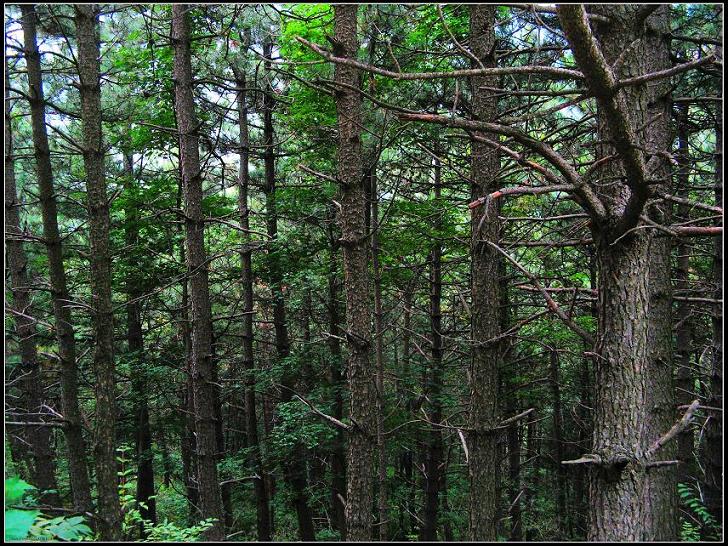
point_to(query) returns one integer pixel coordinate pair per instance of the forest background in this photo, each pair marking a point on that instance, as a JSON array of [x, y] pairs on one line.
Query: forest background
[[326, 272]]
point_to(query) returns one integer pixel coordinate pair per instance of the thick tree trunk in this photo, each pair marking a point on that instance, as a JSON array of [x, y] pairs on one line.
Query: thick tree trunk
[[253, 442], [623, 502], [661, 498], [485, 325], [202, 364], [362, 390], [43, 465], [617, 509], [103, 315], [77, 467], [712, 449]]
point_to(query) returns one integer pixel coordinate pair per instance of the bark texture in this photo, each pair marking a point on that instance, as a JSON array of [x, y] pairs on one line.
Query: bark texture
[[338, 453], [712, 452], [30, 372], [433, 452], [485, 318], [622, 501], [661, 498], [363, 401], [75, 444], [103, 316], [197, 266]]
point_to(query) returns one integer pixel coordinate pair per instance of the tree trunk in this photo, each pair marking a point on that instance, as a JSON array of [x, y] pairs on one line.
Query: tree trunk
[[362, 390], [166, 461], [77, 466], [661, 499], [434, 378], [712, 451], [533, 452], [43, 465], [225, 488], [407, 456], [621, 506], [103, 315], [558, 446], [483, 375], [187, 403], [202, 364], [253, 442]]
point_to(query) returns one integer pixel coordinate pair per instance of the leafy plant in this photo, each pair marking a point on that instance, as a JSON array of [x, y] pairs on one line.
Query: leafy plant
[[704, 525], [134, 522], [23, 522]]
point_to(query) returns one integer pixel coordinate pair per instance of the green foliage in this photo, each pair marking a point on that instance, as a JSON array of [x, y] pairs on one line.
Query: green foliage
[[18, 523], [296, 425], [134, 525], [15, 490], [170, 532], [701, 525], [63, 528], [22, 522]]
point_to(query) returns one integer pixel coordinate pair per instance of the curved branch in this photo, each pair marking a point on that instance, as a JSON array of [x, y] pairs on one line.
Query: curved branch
[[587, 198], [528, 70]]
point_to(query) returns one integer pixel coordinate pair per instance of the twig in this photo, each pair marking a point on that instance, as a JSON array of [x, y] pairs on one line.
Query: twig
[[333, 420], [676, 429]]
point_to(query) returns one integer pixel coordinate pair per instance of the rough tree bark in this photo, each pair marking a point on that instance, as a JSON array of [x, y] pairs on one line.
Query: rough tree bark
[[558, 444], [77, 466], [485, 318], [202, 363], [620, 506], [43, 467], [362, 390], [661, 496], [712, 450], [515, 492], [103, 316]]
